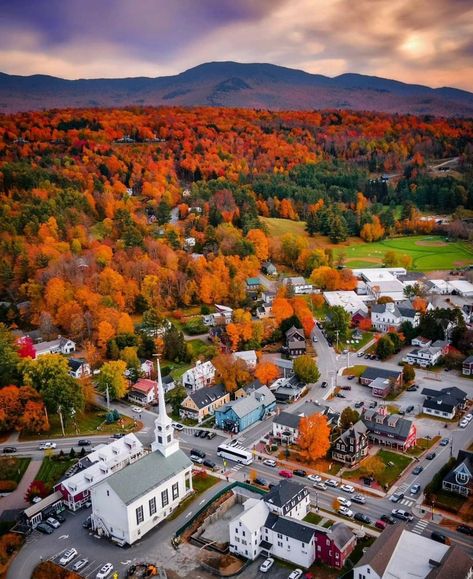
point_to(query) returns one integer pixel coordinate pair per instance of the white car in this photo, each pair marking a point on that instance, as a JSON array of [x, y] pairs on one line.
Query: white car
[[79, 564], [314, 477], [177, 426], [464, 423], [332, 483], [68, 556], [343, 501], [295, 574], [269, 462], [196, 459], [320, 485], [104, 571], [266, 565], [347, 489], [346, 512], [46, 445], [137, 409], [53, 523], [468, 417]]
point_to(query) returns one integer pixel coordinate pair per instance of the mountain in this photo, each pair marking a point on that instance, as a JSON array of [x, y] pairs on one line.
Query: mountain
[[232, 84]]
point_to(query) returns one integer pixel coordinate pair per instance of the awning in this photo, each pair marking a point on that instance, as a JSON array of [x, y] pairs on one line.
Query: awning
[[265, 545], [44, 504]]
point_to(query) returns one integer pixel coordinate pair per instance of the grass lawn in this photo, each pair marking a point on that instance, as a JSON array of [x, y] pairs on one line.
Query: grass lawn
[[355, 370], [13, 468], [422, 445], [89, 422], [178, 369], [354, 347], [313, 518], [198, 348], [200, 484], [394, 465], [51, 470], [449, 501]]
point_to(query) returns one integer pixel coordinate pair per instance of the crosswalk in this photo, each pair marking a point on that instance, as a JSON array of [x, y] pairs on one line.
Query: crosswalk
[[419, 527], [407, 502], [237, 467]]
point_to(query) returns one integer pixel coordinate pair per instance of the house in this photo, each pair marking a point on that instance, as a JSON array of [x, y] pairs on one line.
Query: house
[[267, 297], [380, 387], [445, 402], [389, 315], [143, 391], [424, 357], [421, 342], [264, 311], [286, 425], [389, 430], [202, 374], [248, 356], [352, 446], [269, 268], [399, 552], [273, 526], [168, 383], [130, 503], [221, 317], [59, 346], [78, 368], [358, 317], [460, 479], [371, 373], [253, 284], [467, 366], [189, 242], [239, 414], [461, 287], [295, 342], [98, 465], [298, 285], [147, 368], [348, 300], [199, 404], [288, 390]]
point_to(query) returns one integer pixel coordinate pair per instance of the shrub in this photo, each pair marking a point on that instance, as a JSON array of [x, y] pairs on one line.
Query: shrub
[[7, 486]]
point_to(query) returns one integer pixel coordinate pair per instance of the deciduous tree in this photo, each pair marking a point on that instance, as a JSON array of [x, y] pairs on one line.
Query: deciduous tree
[[112, 376], [266, 372], [306, 369], [314, 438]]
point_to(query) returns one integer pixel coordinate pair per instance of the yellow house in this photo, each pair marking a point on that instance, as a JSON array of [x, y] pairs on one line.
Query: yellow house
[[203, 402]]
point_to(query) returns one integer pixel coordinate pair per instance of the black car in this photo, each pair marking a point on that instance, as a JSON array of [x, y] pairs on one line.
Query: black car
[[87, 523], [203, 434], [84, 442], [359, 404], [197, 452], [413, 388], [324, 385], [117, 435], [465, 529], [60, 518], [44, 528], [409, 409], [418, 470], [299, 472], [363, 518], [340, 395], [431, 456], [440, 538], [9, 449], [209, 463], [261, 481], [388, 519]]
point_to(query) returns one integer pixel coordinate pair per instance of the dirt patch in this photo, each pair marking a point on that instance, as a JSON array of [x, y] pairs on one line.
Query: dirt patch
[[431, 243], [367, 259], [461, 263]]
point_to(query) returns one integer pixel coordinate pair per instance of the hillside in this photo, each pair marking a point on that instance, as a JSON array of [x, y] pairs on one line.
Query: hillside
[[231, 84]]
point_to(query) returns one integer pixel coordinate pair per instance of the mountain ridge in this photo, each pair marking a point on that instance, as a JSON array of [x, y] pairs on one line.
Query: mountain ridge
[[240, 85]]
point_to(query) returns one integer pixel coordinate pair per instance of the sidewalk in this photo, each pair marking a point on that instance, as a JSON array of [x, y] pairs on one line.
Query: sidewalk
[[15, 500]]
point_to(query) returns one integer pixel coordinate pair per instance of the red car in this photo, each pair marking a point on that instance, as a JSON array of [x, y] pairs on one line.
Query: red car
[[285, 473]]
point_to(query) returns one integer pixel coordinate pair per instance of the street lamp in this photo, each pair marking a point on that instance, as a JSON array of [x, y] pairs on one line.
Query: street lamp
[[316, 502]]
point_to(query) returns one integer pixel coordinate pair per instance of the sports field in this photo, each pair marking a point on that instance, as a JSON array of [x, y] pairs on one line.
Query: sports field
[[428, 252]]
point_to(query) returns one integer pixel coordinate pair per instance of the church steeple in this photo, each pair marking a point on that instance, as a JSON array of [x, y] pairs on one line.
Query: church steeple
[[164, 440]]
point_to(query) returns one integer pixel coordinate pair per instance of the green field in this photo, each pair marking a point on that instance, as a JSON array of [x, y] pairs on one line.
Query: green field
[[428, 252]]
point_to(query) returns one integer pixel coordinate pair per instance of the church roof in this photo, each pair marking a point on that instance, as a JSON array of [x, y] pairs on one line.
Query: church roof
[[146, 474]]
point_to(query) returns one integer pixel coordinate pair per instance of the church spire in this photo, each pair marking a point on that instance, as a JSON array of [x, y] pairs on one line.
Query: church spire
[[164, 440]]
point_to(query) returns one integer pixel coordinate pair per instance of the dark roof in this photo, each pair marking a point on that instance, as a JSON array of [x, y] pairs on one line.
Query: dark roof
[[287, 419], [371, 373], [468, 360], [296, 345], [411, 276], [290, 528], [393, 425], [205, 396], [455, 563], [167, 379], [379, 554], [450, 392], [340, 534], [465, 458], [75, 364], [356, 431], [294, 331], [284, 492], [443, 403]]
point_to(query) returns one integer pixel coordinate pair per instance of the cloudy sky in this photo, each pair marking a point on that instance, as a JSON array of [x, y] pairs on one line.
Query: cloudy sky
[[423, 41]]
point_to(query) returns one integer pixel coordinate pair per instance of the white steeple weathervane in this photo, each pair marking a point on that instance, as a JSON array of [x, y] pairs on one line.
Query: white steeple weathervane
[[164, 440]]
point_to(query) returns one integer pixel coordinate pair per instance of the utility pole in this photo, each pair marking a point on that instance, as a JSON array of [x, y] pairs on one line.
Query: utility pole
[[59, 411], [337, 332], [107, 398]]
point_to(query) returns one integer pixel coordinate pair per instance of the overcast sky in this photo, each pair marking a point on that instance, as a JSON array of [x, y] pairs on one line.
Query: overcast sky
[[422, 41]]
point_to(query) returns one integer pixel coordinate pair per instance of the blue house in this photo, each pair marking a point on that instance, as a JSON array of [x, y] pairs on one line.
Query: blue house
[[239, 414]]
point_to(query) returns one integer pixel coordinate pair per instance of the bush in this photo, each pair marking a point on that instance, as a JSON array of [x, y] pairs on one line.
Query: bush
[[7, 486], [195, 327], [204, 310]]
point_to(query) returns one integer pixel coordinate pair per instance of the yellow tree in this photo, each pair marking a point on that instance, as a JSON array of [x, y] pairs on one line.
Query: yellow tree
[[314, 437]]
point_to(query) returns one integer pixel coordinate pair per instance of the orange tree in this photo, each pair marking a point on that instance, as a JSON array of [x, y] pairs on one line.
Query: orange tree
[[314, 437]]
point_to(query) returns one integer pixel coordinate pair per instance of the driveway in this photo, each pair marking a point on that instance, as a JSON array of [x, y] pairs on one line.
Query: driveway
[[15, 500]]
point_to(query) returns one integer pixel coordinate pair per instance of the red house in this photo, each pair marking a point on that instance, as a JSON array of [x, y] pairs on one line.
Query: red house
[[334, 545]]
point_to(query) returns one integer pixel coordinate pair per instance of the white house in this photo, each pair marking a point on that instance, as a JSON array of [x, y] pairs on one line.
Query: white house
[[286, 425], [461, 287], [78, 368], [424, 357], [189, 242], [202, 374], [143, 391], [222, 316], [59, 346], [248, 356], [299, 285], [390, 315], [131, 502]]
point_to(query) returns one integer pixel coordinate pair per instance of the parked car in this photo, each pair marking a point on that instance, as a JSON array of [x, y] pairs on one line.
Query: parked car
[[53, 522], [343, 501], [444, 442], [464, 423], [177, 426], [197, 452], [68, 556], [117, 435], [59, 517], [418, 469], [379, 524], [314, 477], [347, 489], [387, 519], [84, 442], [44, 528], [261, 481], [197, 433], [209, 463], [396, 497], [345, 511], [360, 354], [440, 537], [359, 404], [78, 565], [87, 523], [324, 384], [211, 434], [295, 574], [332, 483], [465, 529], [415, 489], [360, 499], [363, 518], [320, 485], [373, 404], [137, 409], [104, 571], [196, 459], [340, 395], [409, 409], [266, 565], [413, 388], [468, 417], [285, 473], [402, 514], [9, 449], [269, 462], [299, 472], [345, 387], [431, 456]]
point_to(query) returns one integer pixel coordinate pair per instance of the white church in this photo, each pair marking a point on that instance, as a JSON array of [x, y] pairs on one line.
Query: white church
[[131, 502]]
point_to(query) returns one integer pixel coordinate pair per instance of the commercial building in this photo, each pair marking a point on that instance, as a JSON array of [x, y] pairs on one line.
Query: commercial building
[[239, 414], [389, 430], [348, 300], [202, 403]]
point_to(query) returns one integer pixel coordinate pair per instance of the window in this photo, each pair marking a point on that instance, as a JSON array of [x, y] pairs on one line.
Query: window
[[303, 545], [175, 491], [244, 533], [164, 498], [108, 493], [279, 543], [236, 530], [160, 439], [139, 515], [169, 438], [152, 506]]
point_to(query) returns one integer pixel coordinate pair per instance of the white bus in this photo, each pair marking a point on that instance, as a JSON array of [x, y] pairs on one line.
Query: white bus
[[235, 453]]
